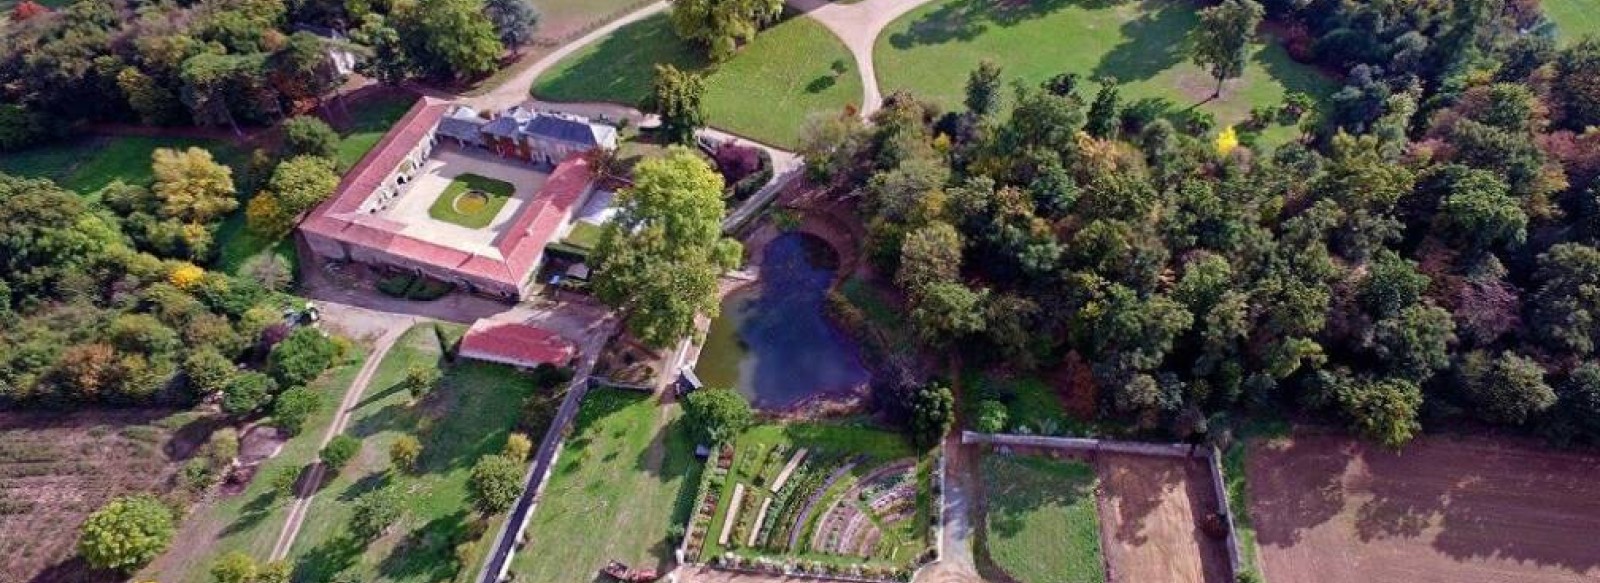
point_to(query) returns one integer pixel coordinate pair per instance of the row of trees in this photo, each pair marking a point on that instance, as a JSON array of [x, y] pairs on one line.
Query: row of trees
[[230, 62], [1431, 260]]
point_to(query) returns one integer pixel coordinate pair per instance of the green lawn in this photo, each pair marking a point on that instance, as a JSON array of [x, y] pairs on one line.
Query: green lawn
[[765, 92], [1573, 18], [471, 212], [89, 164], [1041, 525], [1142, 44], [250, 521], [468, 416], [617, 487], [584, 235], [369, 120]]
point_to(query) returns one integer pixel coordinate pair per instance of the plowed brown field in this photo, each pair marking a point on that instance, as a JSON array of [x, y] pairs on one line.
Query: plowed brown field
[[1329, 509], [1150, 512]]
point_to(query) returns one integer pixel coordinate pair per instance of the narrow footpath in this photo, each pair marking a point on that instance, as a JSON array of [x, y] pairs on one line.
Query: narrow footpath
[[312, 481]]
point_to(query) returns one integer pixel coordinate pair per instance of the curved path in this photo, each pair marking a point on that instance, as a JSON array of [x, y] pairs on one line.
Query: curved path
[[514, 90], [858, 26]]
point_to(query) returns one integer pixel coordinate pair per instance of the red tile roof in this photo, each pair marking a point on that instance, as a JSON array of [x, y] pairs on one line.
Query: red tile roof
[[515, 344], [520, 247]]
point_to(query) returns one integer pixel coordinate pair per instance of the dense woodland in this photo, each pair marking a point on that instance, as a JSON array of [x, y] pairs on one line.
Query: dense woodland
[[1424, 256], [228, 63]]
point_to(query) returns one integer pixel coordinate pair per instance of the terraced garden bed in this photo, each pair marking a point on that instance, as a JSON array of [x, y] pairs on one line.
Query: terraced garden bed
[[815, 498]]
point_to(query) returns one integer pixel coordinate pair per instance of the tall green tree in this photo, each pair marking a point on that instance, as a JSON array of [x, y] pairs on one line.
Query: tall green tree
[[983, 89], [1509, 388], [721, 25], [495, 483], [449, 39], [676, 96], [126, 533], [718, 415], [1222, 39], [388, 62], [658, 261], [514, 20]]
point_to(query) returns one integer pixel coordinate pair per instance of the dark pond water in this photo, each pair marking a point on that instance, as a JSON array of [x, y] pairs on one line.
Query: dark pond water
[[773, 341]]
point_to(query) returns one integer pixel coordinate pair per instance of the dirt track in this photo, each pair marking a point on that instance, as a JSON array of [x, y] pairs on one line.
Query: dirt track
[[1330, 510], [1150, 509]]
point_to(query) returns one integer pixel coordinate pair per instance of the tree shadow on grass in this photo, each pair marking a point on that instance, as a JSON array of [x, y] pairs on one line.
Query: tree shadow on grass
[[367, 483], [392, 417], [428, 553], [329, 559], [965, 20], [620, 67], [1155, 41], [1027, 486], [252, 513], [380, 395]]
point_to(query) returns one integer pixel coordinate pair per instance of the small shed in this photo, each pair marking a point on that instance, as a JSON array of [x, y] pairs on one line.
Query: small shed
[[515, 344]]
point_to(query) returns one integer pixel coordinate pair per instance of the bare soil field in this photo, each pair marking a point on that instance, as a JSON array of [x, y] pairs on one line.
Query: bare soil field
[[56, 468], [1151, 509], [1329, 509]]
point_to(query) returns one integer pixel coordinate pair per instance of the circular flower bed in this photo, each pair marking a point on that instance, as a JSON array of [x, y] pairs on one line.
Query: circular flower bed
[[470, 202]]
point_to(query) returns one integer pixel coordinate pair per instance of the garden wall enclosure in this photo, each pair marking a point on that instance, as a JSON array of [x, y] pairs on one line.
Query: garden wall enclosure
[[1214, 486]]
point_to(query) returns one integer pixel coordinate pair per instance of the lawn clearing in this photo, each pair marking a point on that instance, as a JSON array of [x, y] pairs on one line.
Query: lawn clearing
[[1573, 18], [585, 236], [89, 164], [250, 521], [368, 120], [1143, 45], [56, 468], [471, 201], [1040, 524], [1330, 509], [468, 416], [859, 497], [764, 92], [616, 489]]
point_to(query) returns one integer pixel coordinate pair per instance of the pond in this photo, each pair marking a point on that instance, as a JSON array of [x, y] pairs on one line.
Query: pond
[[773, 342]]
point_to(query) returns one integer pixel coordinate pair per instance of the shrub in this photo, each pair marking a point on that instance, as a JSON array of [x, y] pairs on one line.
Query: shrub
[[126, 533], [375, 512], [495, 484], [208, 371], [427, 289], [404, 452], [234, 567], [717, 414], [339, 451], [196, 475], [396, 285], [421, 379], [991, 417], [282, 480], [247, 392], [301, 357], [293, 407], [303, 135], [518, 446]]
